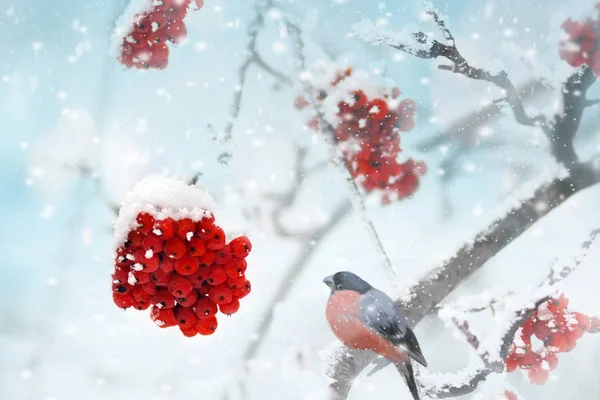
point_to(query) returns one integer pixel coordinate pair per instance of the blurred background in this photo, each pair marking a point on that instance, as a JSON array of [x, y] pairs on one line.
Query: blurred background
[[79, 130]]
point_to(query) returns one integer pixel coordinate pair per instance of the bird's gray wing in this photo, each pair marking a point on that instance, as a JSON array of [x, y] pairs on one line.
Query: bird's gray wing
[[380, 313]]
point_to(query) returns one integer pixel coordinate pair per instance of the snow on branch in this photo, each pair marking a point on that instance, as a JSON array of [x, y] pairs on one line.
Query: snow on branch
[[423, 298]]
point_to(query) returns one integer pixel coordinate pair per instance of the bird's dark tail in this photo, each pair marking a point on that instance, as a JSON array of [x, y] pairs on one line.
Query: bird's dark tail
[[406, 370]]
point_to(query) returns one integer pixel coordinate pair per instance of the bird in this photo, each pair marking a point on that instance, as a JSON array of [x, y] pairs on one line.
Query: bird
[[365, 318]]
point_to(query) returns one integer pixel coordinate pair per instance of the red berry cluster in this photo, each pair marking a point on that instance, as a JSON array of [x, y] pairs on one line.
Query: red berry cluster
[[557, 328], [184, 269], [581, 44], [510, 395], [367, 134], [146, 45]]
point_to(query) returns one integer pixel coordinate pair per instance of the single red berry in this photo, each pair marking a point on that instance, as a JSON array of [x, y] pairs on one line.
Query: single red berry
[[179, 286], [204, 288], [527, 327], [528, 360], [243, 291], [122, 261], [165, 228], [378, 109], [188, 332], [158, 20], [141, 277], [360, 100], [557, 342], [175, 248], [538, 375], [236, 268], [142, 23], [541, 329], [141, 305], [551, 359], [188, 300], [241, 246], [166, 264], [557, 304], [163, 317], [150, 288], [186, 228], [140, 295], [176, 31], [121, 288], [205, 227], [145, 222], [163, 298], [583, 324], [199, 276], [217, 276], [196, 246], [510, 395], [147, 264], [235, 283], [160, 277], [217, 239], [207, 259], [220, 294], [205, 308], [123, 300], [187, 265], [206, 326], [511, 363], [153, 242], [186, 318], [120, 276], [134, 239], [231, 307], [223, 256]]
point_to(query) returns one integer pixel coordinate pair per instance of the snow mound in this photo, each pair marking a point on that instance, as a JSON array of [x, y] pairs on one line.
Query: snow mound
[[162, 197]]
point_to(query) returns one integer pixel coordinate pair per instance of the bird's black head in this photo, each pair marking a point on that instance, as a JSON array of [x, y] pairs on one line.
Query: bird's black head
[[345, 280]]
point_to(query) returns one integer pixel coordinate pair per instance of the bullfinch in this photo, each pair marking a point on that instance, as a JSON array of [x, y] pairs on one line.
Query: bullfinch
[[365, 318]]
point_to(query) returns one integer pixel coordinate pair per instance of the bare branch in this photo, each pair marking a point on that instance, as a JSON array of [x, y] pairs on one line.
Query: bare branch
[[253, 58]]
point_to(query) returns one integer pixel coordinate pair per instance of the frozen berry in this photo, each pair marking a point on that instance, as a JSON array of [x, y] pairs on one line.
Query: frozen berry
[[511, 363], [153, 242], [123, 300], [121, 288], [378, 109], [187, 265], [199, 276], [205, 308], [179, 286], [145, 222], [217, 276], [163, 317], [186, 318], [205, 227], [165, 228], [241, 246], [538, 375], [235, 283], [150, 288], [188, 300], [557, 304], [175, 248], [217, 238], [186, 228], [166, 264], [134, 239], [176, 31], [230, 308], [220, 294], [235, 268], [243, 291], [163, 298], [141, 277], [223, 256], [160, 277], [206, 326], [196, 246], [188, 332], [207, 259]]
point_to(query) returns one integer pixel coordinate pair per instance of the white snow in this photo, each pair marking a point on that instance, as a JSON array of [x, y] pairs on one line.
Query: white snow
[[162, 197]]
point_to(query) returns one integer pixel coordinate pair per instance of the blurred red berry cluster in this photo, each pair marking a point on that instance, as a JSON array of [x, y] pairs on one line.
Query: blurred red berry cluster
[[184, 270], [557, 328], [367, 134], [581, 44], [145, 46], [510, 395]]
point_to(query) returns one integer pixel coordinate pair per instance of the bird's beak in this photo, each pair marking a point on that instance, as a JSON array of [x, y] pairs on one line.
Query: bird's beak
[[329, 282]]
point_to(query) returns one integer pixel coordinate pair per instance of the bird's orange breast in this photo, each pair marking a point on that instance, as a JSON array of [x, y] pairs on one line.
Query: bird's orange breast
[[343, 315]]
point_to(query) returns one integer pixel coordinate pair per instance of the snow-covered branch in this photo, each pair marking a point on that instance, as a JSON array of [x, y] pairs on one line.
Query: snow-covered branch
[[423, 298], [560, 131]]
